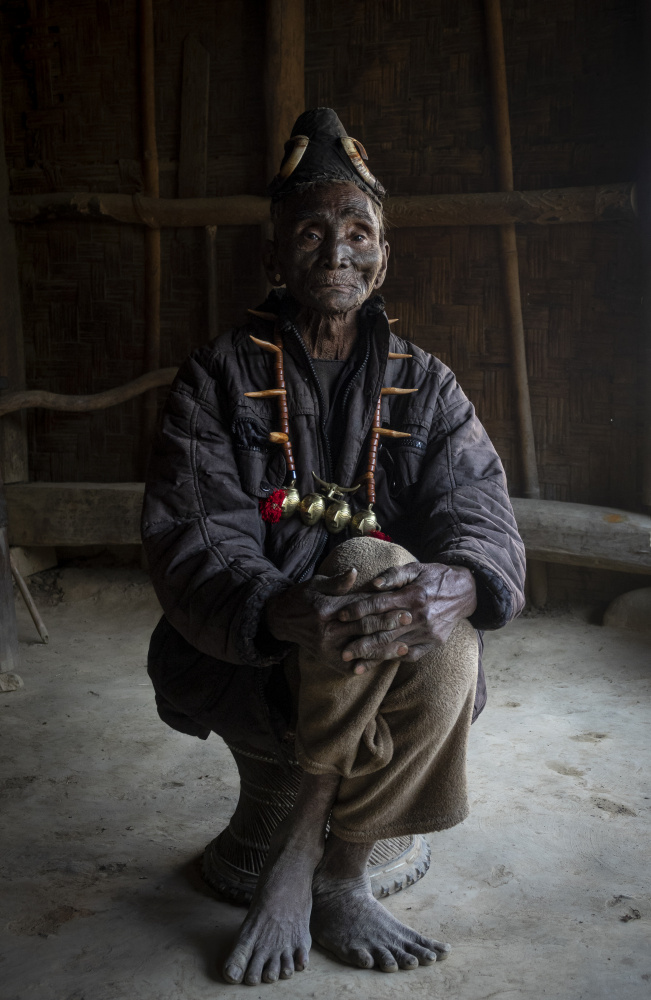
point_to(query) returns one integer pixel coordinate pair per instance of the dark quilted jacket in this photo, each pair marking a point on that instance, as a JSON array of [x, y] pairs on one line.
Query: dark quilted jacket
[[441, 492]]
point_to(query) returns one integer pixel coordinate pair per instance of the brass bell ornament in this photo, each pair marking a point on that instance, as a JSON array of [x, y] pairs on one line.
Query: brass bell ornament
[[364, 522], [312, 508], [291, 501]]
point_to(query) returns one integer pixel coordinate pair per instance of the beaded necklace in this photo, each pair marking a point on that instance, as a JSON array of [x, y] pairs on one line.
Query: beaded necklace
[[330, 503]]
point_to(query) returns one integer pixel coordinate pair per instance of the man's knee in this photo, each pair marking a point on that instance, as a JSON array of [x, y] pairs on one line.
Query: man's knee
[[369, 556], [444, 679]]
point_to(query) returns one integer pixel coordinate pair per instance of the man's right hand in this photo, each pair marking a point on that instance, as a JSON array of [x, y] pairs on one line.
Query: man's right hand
[[307, 614]]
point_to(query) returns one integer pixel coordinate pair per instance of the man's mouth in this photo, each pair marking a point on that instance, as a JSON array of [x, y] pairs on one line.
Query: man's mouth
[[338, 281]]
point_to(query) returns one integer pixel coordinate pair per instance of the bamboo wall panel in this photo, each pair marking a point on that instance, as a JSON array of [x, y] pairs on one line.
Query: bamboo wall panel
[[408, 78]]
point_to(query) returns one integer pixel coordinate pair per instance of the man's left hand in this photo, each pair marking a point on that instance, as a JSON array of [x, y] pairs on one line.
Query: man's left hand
[[435, 596]]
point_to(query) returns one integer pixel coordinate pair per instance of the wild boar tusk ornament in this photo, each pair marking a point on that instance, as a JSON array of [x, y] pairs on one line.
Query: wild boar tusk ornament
[[300, 144], [352, 148]]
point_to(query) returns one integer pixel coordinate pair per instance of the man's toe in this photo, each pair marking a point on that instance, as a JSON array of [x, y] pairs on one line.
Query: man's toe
[[425, 956], [286, 965], [271, 970], [384, 960], [232, 973], [301, 959], [253, 974], [362, 958], [406, 961], [442, 950]]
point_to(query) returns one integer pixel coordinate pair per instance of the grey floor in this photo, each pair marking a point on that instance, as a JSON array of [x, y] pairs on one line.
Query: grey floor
[[543, 892]]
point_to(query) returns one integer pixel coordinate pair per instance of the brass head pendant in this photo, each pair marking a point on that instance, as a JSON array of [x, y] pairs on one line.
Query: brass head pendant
[[336, 514]]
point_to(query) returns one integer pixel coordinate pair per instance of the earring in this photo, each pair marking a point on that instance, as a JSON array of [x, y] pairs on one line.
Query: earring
[[277, 279]]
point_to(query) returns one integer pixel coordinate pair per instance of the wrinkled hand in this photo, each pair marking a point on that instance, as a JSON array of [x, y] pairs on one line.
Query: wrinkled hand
[[431, 596], [309, 614]]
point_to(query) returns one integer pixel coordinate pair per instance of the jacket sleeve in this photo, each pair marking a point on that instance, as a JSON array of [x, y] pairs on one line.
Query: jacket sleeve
[[203, 536], [463, 510]]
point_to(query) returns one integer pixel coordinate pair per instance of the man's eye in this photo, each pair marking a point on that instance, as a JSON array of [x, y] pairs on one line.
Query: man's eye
[[311, 236]]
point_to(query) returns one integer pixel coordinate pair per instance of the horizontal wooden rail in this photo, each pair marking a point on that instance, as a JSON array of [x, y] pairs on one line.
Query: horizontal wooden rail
[[109, 514], [556, 206], [28, 398]]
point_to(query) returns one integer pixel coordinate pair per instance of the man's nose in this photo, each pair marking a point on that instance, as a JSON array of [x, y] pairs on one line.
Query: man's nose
[[334, 252]]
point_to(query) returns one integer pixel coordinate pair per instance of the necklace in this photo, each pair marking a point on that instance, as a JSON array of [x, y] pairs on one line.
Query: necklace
[[331, 503]]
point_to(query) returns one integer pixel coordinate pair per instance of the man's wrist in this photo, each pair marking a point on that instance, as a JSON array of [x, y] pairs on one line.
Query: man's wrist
[[465, 587]]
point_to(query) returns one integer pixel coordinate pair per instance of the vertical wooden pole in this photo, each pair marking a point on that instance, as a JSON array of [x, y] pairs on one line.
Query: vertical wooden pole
[[213, 298], [193, 156], [13, 436], [511, 277], [284, 82], [284, 75], [8, 630], [645, 219], [151, 354]]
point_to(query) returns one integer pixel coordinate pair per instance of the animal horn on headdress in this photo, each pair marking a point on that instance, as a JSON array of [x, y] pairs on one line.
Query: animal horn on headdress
[[355, 152], [300, 144]]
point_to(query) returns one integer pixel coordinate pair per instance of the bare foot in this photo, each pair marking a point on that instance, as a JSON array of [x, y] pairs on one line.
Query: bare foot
[[274, 940], [348, 921]]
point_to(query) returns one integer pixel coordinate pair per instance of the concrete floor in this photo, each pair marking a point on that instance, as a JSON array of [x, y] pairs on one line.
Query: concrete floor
[[544, 891]]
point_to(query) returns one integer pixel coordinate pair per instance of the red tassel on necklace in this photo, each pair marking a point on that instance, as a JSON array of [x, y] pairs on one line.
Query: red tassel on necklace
[[381, 535], [271, 509]]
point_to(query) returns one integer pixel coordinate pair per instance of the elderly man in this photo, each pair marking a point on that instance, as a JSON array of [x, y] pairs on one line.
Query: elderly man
[[290, 450]]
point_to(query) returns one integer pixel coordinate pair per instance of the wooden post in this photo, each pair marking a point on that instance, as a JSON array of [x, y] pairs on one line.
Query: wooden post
[[13, 437], [284, 83], [645, 198], [8, 630], [511, 277], [284, 75], [151, 353], [193, 155]]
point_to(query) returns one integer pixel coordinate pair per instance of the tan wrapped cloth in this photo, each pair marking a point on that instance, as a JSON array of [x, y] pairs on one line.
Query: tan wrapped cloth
[[397, 734]]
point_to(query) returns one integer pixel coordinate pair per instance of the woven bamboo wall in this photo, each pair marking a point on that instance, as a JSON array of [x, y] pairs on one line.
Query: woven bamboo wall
[[408, 77]]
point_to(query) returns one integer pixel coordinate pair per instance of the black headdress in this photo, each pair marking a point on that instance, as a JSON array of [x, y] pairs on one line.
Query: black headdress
[[319, 149]]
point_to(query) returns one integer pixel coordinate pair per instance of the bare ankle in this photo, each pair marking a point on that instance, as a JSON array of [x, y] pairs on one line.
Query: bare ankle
[[343, 859]]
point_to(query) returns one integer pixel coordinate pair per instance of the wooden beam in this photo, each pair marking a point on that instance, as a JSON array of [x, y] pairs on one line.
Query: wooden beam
[[550, 207], [151, 352], [13, 437], [109, 514]]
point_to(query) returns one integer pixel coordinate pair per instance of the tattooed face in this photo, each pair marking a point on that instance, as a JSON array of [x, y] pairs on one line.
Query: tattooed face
[[329, 248]]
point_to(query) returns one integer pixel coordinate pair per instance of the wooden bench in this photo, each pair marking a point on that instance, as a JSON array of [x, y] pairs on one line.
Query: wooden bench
[[50, 514]]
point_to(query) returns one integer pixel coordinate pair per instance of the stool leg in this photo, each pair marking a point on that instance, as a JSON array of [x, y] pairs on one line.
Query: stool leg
[[8, 629]]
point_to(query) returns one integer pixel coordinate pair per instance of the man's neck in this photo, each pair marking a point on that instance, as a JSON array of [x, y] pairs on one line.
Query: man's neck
[[328, 338]]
